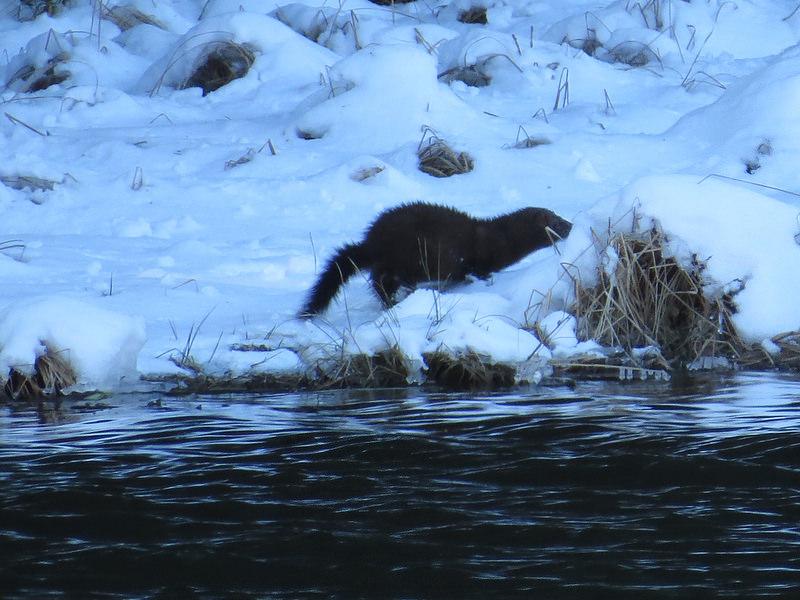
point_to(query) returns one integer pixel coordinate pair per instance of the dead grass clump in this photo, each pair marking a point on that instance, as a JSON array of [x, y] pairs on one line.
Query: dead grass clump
[[633, 54], [308, 134], [366, 173], [388, 368], [28, 10], [51, 374], [471, 75], [531, 142], [784, 354], [35, 79], [649, 299], [127, 17], [220, 64], [467, 370], [589, 44], [440, 160], [753, 164], [474, 15], [31, 182]]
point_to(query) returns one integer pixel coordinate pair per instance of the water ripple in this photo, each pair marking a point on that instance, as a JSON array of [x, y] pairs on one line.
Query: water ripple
[[639, 490]]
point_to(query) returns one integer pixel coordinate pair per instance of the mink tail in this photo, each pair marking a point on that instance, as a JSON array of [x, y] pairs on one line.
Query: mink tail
[[341, 267]]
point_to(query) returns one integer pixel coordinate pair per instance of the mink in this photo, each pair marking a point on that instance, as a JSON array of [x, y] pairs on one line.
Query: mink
[[420, 242]]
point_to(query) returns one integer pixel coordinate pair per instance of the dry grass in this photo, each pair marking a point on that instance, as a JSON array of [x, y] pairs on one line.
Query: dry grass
[[366, 173], [785, 355], [531, 142], [31, 182], [471, 75], [633, 53], [468, 370], [440, 160], [474, 15], [28, 10], [388, 368], [29, 78], [649, 299], [221, 63], [52, 372], [476, 74], [128, 17]]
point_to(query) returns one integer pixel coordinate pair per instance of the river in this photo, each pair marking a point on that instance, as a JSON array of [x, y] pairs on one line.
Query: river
[[682, 489]]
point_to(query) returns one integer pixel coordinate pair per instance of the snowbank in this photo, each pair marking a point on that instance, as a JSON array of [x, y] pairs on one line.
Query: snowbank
[[100, 345], [743, 237], [210, 216]]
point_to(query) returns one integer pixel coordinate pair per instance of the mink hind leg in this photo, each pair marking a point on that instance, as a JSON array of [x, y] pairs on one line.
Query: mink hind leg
[[385, 286]]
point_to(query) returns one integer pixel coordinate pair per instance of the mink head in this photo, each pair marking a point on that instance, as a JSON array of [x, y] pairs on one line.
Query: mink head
[[544, 218]]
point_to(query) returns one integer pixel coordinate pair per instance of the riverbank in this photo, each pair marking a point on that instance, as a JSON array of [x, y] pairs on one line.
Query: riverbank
[[163, 221]]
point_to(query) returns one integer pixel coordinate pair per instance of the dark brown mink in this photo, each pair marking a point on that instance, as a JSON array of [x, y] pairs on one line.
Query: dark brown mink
[[419, 242]]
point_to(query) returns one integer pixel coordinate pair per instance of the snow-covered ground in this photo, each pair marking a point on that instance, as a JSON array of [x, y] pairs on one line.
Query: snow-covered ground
[[156, 241]]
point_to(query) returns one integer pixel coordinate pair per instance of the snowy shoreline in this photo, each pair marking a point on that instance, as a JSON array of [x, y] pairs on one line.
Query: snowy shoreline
[[159, 233]]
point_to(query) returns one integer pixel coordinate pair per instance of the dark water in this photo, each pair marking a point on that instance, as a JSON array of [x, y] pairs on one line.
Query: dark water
[[641, 490]]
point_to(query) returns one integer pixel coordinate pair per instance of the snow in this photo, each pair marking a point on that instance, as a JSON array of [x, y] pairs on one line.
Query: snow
[[101, 345], [172, 226]]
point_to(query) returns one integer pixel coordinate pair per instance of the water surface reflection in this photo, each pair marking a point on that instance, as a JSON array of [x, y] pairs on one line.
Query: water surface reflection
[[634, 490]]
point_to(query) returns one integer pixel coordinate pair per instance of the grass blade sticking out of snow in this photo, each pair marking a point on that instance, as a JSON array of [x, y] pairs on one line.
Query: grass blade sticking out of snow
[[528, 141], [14, 249], [17, 121], [649, 299], [562, 94], [184, 358]]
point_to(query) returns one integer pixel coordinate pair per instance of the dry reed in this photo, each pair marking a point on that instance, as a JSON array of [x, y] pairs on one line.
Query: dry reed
[[387, 368], [52, 373], [440, 160], [650, 299]]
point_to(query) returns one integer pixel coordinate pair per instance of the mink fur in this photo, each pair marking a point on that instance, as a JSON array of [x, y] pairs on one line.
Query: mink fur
[[420, 242]]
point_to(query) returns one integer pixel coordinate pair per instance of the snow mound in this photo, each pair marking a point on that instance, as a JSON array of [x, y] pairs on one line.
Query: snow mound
[[401, 80], [754, 123], [666, 33], [100, 345], [743, 236], [282, 55]]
